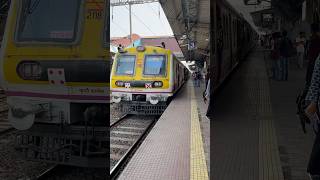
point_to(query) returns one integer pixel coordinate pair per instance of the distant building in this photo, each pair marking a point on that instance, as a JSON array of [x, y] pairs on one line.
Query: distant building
[[169, 41], [124, 41]]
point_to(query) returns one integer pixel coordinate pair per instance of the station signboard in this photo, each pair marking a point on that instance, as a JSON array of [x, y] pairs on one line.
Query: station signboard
[[252, 2], [267, 19]]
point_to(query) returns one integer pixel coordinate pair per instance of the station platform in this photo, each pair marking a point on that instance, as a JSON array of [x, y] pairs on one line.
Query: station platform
[[174, 149], [255, 134]]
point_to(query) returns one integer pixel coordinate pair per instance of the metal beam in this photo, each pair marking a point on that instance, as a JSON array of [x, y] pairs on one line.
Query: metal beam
[[130, 2]]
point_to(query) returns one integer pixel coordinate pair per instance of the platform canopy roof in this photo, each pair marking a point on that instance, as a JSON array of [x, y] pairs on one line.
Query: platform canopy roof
[[4, 6], [291, 10], [190, 22]]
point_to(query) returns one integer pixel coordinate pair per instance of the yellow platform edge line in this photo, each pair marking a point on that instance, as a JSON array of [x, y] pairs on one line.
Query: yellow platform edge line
[[198, 166]]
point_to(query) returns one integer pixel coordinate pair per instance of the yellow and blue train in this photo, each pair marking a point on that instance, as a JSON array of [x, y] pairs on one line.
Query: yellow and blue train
[[55, 72], [144, 79]]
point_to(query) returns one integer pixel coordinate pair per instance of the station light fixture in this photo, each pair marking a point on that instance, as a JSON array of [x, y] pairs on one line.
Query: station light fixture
[[252, 2]]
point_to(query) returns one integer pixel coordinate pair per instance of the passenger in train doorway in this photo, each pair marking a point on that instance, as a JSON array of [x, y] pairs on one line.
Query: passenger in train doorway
[[206, 94], [206, 97], [300, 45], [285, 52]]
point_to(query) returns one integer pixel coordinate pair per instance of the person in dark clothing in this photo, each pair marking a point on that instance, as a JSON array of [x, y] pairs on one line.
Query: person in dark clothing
[[120, 47], [163, 45], [313, 51], [285, 45], [275, 56], [313, 85]]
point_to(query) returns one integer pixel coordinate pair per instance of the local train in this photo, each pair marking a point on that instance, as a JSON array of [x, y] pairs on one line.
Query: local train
[[232, 40], [145, 78], [55, 72]]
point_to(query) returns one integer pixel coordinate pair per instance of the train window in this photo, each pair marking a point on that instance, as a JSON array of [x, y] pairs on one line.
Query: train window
[[48, 20], [154, 65], [125, 64]]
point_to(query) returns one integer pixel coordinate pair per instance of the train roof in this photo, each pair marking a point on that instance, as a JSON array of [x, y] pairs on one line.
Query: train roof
[[146, 48]]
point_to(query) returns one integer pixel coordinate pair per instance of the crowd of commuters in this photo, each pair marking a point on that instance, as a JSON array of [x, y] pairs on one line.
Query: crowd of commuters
[[283, 49]]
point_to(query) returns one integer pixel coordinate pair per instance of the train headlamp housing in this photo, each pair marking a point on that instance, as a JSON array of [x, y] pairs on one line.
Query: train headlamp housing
[[158, 84], [141, 48], [29, 70], [119, 83]]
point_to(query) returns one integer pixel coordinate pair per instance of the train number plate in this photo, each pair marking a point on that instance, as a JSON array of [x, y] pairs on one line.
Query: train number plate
[[127, 85]]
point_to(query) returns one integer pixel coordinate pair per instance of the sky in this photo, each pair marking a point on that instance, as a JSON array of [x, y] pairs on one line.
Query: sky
[[150, 20], [147, 20]]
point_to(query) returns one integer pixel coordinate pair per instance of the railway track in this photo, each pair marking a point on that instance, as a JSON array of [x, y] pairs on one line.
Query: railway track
[[63, 172], [125, 136], [4, 124]]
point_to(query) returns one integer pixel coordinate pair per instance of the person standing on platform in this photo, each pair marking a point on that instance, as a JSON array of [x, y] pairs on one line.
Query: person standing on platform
[[313, 86], [285, 48], [196, 79], [313, 51], [275, 56], [300, 45], [312, 111]]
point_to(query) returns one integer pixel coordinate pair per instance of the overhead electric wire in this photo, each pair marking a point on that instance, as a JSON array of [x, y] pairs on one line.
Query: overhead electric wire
[[141, 21], [158, 14], [121, 29]]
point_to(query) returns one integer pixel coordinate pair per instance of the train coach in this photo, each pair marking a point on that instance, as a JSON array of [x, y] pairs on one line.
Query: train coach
[[233, 39], [145, 78], [54, 70]]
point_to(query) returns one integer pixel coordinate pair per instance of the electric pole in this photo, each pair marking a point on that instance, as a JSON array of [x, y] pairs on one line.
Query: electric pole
[[130, 3]]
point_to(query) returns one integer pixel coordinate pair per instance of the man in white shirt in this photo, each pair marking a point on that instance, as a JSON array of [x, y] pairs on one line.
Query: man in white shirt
[[300, 45]]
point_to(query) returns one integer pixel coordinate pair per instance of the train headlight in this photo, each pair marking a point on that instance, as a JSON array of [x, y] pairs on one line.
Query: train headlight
[[154, 100], [30, 70], [158, 84], [119, 83]]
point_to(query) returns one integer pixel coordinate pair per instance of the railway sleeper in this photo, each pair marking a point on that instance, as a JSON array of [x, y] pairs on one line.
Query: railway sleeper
[[69, 147], [143, 108]]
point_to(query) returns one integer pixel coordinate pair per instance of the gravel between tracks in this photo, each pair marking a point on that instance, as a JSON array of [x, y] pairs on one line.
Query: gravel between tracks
[[115, 112], [13, 166]]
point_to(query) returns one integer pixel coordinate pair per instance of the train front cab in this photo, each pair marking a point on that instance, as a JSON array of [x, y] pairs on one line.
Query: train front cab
[[144, 78], [54, 63]]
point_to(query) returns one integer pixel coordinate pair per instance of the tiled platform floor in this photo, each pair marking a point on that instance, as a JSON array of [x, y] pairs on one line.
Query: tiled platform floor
[[256, 134], [174, 148]]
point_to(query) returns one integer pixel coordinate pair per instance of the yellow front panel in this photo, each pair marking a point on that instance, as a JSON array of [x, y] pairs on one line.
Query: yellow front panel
[[89, 47], [138, 74]]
